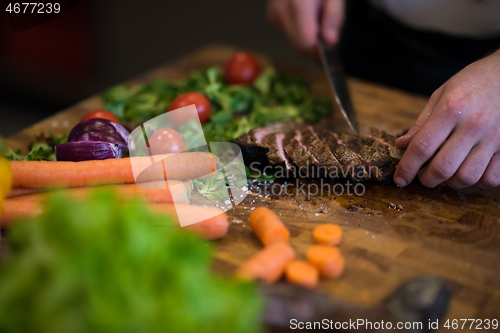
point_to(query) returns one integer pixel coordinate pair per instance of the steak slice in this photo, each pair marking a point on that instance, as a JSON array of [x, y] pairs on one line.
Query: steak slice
[[252, 148], [276, 155], [300, 155], [351, 165], [387, 140], [330, 166], [375, 156]]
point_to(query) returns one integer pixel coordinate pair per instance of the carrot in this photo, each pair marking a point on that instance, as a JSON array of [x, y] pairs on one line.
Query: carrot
[[42, 174], [213, 224], [20, 191], [302, 273], [268, 264], [327, 259], [173, 191], [328, 234], [16, 209], [268, 227]]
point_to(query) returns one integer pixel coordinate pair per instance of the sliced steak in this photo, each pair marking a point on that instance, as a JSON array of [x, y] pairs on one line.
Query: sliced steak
[[276, 155], [375, 156], [300, 155], [252, 148], [304, 151], [384, 137], [330, 166], [351, 165], [387, 140]]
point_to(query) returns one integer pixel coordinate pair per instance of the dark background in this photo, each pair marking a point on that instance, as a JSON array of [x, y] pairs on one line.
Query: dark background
[[100, 43]]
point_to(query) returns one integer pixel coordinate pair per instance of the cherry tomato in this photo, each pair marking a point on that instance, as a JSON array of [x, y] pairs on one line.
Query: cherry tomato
[[102, 114], [241, 68], [166, 141], [202, 107]]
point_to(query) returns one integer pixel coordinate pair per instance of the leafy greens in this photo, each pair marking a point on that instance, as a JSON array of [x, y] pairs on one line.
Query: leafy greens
[[101, 266], [41, 150], [236, 109]]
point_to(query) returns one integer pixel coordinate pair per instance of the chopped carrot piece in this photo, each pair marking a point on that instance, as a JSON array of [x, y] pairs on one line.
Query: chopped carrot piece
[[302, 273], [328, 259], [268, 264], [268, 227], [328, 234]]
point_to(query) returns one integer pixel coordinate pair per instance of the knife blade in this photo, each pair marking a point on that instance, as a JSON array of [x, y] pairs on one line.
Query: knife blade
[[336, 79]]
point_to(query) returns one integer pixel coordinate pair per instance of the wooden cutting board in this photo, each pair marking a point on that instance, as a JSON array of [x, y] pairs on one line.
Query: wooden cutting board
[[451, 234]]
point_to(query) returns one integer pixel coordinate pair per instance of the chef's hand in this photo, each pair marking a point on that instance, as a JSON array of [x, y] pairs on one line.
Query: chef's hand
[[298, 19], [458, 131]]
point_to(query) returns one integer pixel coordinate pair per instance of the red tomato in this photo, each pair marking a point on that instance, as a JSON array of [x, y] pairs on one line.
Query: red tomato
[[241, 68], [166, 141], [102, 114], [202, 107]]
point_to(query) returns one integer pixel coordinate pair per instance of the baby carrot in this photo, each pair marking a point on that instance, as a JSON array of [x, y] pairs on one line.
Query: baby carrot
[[268, 264], [213, 221], [173, 191], [268, 227], [328, 234], [302, 273], [327, 259], [43, 174]]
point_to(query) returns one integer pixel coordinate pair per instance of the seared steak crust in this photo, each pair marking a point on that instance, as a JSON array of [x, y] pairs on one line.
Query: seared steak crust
[[312, 153]]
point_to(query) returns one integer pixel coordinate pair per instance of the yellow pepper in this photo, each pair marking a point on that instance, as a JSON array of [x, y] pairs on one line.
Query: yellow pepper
[[5, 180]]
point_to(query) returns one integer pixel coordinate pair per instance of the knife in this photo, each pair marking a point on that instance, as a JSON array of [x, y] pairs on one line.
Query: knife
[[335, 74]]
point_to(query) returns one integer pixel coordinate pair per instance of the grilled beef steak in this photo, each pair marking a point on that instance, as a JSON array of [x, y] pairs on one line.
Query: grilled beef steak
[[298, 150], [276, 154], [252, 148], [329, 165]]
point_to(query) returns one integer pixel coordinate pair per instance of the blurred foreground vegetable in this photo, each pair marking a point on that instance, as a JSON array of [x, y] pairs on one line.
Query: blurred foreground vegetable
[[101, 266], [5, 180]]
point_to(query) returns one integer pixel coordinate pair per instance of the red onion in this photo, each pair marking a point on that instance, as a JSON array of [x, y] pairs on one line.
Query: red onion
[[102, 130], [87, 150]]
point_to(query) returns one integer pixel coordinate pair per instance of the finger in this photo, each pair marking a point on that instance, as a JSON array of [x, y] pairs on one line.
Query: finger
[[447, 161], [305, 19], [491, 177], [403, 141], [331, 22], [425, 143], [472, 168]]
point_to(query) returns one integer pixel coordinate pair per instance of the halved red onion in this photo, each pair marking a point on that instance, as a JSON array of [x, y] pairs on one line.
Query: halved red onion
[[87, 150]]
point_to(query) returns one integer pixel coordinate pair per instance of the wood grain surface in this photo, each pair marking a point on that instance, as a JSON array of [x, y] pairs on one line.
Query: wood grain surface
[[438, 231]]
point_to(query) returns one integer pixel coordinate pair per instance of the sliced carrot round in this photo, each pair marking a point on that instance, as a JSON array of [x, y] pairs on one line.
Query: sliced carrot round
[[328, 234], [302, 273], [327, 259]]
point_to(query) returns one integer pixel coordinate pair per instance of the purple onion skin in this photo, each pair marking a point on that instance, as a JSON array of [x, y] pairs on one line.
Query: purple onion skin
[[102, 130], [99, 136], [87, 150]]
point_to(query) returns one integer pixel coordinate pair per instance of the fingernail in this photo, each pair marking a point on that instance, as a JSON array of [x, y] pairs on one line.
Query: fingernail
[[400, 182]]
